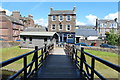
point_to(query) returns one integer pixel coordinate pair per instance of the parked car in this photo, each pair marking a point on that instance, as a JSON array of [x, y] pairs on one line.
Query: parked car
[[82, 44], [107, 46], [1, 39]]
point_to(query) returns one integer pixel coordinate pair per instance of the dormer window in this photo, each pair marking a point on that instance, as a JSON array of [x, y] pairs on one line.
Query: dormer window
[[53, 18], [68, 18], [60, 18]]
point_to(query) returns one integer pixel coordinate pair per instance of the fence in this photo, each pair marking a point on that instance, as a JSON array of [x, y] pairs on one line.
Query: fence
[[28, 68], [80, 60]]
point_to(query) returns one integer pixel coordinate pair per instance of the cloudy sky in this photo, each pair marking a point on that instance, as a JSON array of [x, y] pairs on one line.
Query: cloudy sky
[[86, 12]]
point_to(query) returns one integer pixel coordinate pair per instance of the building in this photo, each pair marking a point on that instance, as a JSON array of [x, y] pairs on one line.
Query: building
[[27, 21], [35, 36], [86, 34], [10, 27], [85, 27], [103, 26], [63, 23]]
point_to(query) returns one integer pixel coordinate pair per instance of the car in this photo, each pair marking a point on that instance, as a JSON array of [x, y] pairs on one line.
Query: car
[[107, 46], [1, 39], [82, 44]]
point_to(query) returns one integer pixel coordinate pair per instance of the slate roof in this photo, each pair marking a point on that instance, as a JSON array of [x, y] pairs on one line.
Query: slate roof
[[12, 19], [86, 32], [62, 12], [9, 18], [105, 21], [33, 29], [85, 26]]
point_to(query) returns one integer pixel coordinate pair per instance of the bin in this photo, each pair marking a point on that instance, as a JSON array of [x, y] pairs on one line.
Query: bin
[[92, 44], [95, 44]]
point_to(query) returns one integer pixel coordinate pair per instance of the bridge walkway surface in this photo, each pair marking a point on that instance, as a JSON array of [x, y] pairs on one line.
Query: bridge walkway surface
[[58, 65]]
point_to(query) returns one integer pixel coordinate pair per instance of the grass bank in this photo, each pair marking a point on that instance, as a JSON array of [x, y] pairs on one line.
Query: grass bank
[[101, 68], [8, 53]]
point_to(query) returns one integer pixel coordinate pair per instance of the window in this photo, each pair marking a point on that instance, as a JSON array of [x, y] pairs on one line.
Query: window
[[105, 25], [30, 38], [24, 39], [112, 25], [53, 26], [101, 25], [60, 26], [53, 18], [70, 36], [60, 18], [68, 18], [68, 28]]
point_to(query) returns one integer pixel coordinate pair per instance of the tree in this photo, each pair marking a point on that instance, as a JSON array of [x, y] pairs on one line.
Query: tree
[[112, 38]]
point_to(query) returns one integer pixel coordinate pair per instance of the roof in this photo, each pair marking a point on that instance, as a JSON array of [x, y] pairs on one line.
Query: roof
[[12, 19], [85, 26], [105, 21], [62, 12], [86, 32], [38, 33], [33, 29], [6, 18]]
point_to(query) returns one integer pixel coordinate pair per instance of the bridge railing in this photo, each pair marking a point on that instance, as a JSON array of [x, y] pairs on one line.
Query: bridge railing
[[28, 68], [80, 60]]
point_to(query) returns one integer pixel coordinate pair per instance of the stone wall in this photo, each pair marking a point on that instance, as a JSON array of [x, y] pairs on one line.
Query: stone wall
[[117, 51], [7, 44], [98, 42]]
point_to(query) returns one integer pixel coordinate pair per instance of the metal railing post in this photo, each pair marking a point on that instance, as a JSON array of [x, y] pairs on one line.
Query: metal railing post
[[25, 68], [76, 56], [36, 58], [72, 52], [82, 59], [92, 70], [42, 54], [45, 50]]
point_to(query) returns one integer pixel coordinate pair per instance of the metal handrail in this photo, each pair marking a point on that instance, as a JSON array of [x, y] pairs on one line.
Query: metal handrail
[[72, 50], [44, 51]]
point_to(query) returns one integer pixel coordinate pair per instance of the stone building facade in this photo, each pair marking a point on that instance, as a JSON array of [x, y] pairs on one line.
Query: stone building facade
[[63, 22], [10, 27], [27, 21], [103, 26], [35, 36]]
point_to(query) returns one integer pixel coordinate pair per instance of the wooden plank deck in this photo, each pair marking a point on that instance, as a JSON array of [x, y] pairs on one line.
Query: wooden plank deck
[[58, 66]]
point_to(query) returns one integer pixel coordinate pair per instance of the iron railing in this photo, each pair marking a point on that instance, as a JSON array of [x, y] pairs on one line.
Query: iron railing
[[80, 60], [28, 68]]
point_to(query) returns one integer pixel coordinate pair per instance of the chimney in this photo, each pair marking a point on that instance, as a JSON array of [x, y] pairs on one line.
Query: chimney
[[96, 24], [74, 9], [115, 19], [30, 16], [2, 12], [51, 9], [16, 14]]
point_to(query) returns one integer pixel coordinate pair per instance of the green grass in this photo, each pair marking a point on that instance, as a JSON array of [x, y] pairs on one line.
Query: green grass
[[8, 53], [101, 68]]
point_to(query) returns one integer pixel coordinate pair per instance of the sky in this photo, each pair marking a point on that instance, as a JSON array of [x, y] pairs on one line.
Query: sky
[[86, 12]]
